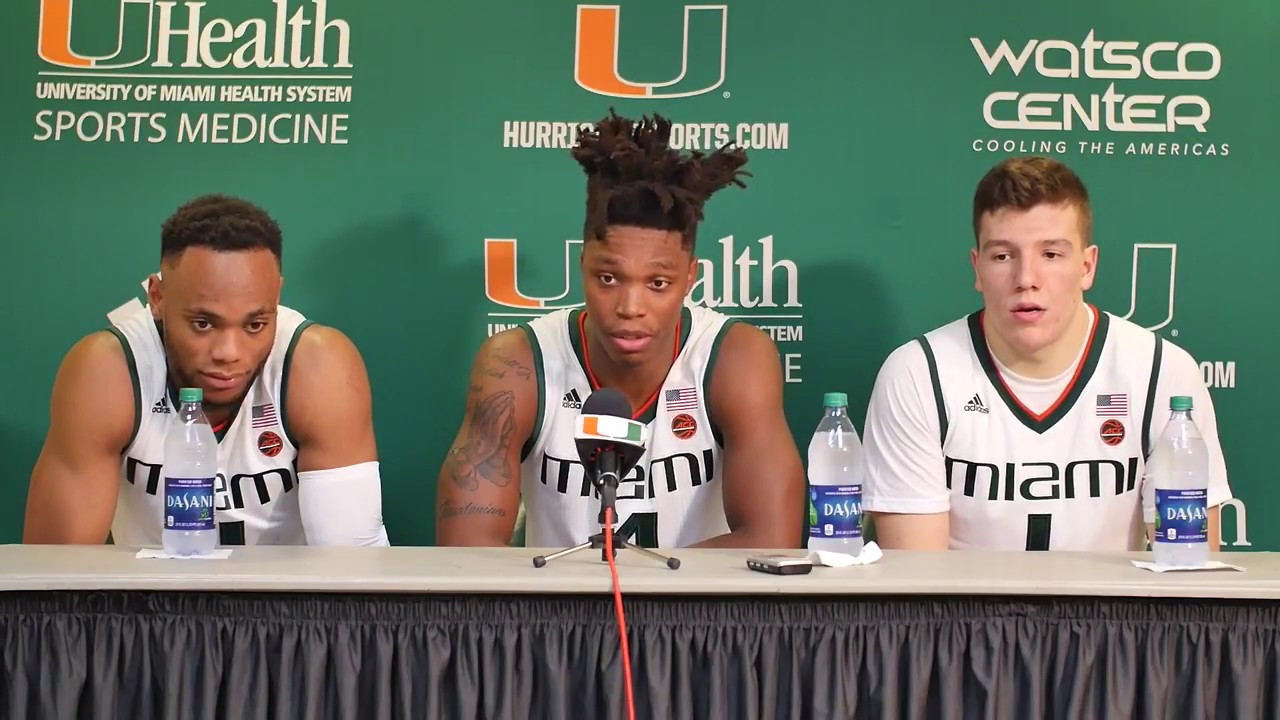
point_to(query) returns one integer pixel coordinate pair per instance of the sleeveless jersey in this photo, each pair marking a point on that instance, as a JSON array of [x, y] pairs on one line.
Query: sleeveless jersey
[[255, 488], [1067, 478], [672, 497]]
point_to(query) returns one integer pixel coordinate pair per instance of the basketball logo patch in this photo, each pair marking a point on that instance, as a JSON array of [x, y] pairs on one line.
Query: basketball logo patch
[[1112, 432], [684, 426], [270, 444]]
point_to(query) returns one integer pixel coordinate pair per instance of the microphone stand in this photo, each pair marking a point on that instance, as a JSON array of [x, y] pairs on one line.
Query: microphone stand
[[607, 485]]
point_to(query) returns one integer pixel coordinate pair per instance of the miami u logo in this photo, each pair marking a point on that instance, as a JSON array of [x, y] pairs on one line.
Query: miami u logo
[[133, 37], [1159, 261], [595, 58], [500, 273]]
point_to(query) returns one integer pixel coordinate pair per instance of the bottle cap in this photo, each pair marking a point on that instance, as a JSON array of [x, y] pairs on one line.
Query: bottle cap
[[1180, 402], [835, 400], [191, 395]]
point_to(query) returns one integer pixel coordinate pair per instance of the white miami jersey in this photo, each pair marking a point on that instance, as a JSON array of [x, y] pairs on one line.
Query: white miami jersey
[[672, 497], [1026, 464], [256, 486]]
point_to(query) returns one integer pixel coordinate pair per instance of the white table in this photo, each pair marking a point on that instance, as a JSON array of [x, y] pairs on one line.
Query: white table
[[461, 633], [702, 572]]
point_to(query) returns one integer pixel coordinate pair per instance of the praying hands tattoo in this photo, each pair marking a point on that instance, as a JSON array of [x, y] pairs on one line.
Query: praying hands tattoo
[[483, 452]]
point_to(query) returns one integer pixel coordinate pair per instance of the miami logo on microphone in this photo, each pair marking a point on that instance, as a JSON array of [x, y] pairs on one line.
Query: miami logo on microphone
[[610, 427]]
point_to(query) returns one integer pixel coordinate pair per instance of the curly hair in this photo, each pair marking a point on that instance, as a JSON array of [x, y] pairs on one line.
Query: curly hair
[[634, 176], [220, 222]]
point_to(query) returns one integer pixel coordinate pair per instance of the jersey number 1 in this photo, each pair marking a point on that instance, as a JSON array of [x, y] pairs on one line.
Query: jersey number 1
[[231, 533], [1038, 527]]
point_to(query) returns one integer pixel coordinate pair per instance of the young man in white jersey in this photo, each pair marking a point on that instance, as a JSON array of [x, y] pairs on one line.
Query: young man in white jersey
[[720, 469], [1027, 425], [289, 402]]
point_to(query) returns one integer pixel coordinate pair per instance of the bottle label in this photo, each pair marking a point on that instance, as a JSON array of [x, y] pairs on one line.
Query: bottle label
[[1182, 516], [188, 503], [835, 511]]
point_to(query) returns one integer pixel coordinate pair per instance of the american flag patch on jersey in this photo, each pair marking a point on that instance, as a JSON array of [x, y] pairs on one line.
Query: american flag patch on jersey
[[264, 416], [682, 399], [1113, 404]]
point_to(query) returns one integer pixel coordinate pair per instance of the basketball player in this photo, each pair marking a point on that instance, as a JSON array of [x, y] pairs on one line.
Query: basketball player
[[720, 469], [1027, 425], [289, 402]]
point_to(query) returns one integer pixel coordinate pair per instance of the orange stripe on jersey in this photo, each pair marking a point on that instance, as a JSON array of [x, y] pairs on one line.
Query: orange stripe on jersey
[[1066, 391]]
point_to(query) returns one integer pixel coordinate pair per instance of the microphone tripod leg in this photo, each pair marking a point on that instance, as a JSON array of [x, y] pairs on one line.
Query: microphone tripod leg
[[671, 562], [541, 560]]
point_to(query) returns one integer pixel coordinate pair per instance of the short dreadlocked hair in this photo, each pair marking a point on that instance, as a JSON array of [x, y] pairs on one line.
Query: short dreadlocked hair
[[220, 222], [634, 177]]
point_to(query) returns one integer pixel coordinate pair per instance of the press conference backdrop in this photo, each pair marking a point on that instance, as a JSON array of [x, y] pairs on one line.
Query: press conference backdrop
[[416, 157]]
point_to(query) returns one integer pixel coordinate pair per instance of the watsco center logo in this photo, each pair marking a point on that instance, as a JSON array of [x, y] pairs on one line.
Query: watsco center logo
[[746, 280], [157, 71], [1140, 98], [703, 68]]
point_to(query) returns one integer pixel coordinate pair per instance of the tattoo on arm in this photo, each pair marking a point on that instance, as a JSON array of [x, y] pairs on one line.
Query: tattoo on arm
[[449, 510], [483, 452], [497, 358]]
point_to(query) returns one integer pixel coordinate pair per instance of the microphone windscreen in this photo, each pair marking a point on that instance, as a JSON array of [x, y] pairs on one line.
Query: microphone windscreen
[[607, 401]]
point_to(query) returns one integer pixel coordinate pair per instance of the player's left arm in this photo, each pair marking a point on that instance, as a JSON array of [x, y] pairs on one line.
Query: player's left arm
[[1180, 375], [329, 409], [764, 482]]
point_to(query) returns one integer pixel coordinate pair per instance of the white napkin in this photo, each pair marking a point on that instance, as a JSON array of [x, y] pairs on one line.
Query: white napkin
[[870, 553], [217, 554], [1210, 565]]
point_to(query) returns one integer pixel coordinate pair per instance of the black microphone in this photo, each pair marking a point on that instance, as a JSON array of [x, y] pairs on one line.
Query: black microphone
[[609, 442]]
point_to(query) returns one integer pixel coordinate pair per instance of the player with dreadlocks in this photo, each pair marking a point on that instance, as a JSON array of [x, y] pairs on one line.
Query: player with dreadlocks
[[721, 468]]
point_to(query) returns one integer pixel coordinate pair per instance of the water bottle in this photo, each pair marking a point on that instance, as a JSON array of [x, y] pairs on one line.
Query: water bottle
[[190, 464], [835, 492], [1179, 472]]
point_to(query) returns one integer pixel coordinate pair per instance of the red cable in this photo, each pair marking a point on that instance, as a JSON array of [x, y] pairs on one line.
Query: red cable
[[617, 604]]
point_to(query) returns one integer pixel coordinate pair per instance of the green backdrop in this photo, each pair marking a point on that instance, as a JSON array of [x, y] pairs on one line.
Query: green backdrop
[[408, 146]]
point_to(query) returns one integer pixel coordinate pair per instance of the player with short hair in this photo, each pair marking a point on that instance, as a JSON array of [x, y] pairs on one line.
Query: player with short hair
[[1027, 424], [289, 402], [721, 467]]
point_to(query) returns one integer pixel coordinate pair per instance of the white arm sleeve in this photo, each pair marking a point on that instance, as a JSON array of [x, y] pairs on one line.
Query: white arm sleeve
[[1180, 375], [903, 469], [342, 506]]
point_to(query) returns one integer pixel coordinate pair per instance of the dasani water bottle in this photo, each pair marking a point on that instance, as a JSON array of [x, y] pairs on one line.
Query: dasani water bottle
[[190, 464], [1179, 472], [835, 492]]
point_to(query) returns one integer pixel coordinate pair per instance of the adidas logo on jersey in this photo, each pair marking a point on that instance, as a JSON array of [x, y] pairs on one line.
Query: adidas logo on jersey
[[572, 400], [975, 404], [161, 407]]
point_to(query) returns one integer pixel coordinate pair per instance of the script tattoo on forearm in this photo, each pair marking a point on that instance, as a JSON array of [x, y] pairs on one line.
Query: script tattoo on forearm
[[483, 452], [497, 364], [449, 510]]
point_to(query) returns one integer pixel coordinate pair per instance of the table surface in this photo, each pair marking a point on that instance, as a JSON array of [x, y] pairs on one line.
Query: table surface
[[702, 572]]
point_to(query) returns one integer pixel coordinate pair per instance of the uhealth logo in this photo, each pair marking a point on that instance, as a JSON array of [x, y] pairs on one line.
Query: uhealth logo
[[595, 58], [168, 33]]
